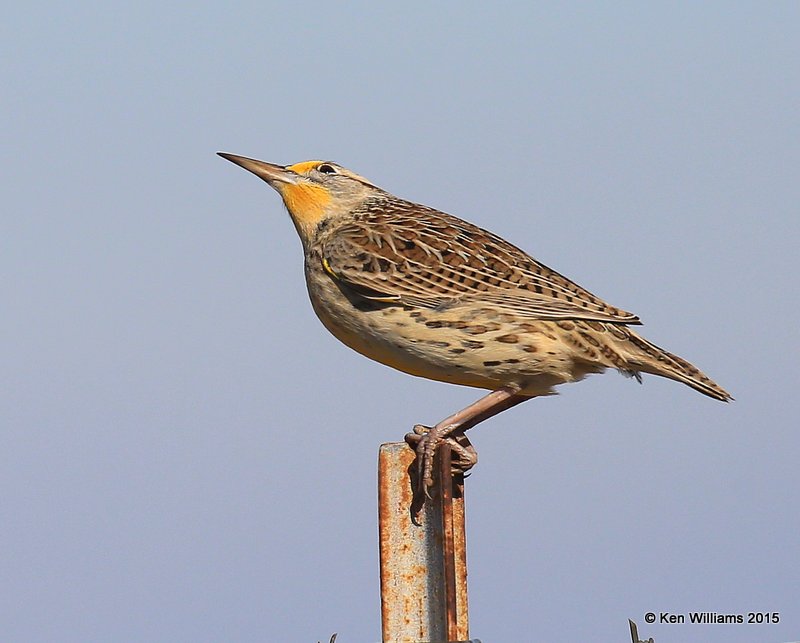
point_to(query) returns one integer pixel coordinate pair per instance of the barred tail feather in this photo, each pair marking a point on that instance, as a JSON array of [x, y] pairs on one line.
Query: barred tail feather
[[660, 362]]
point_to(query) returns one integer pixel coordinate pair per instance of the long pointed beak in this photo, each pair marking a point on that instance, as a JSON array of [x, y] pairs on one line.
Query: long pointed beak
[[269, 172]]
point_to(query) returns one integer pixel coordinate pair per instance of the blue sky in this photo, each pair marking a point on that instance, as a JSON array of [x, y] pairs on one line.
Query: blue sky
[[187, 455]]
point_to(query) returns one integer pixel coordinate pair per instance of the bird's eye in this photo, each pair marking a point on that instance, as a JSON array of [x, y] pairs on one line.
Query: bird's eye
[[326, 168]]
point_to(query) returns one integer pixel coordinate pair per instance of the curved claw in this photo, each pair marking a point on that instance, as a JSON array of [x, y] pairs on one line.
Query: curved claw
[[465, 455], [425, 463]]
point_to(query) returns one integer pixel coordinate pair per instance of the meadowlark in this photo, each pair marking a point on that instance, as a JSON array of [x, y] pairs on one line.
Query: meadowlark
[[432, 295]]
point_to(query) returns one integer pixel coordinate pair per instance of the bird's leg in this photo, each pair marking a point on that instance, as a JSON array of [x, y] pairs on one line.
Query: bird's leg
[[452, 429]]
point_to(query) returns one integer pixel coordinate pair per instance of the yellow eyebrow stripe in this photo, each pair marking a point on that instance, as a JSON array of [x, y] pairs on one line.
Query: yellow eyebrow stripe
[[303, 167]]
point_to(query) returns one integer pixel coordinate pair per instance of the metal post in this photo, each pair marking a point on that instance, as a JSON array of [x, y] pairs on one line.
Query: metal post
[[423, 556]]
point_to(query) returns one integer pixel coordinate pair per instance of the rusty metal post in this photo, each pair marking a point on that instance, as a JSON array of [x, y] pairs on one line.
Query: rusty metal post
[[423, 557]]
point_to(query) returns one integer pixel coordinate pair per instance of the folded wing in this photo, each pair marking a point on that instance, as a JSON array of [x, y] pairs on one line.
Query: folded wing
[[439, 261]]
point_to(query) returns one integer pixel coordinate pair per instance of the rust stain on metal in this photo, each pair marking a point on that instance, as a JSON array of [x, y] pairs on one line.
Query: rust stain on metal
[[448, 558], [423, 561]]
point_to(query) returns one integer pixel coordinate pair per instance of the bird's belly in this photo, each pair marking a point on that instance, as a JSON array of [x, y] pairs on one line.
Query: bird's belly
[[468, 347]]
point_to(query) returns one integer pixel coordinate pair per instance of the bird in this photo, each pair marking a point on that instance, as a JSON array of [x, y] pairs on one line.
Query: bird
[[435, 296]]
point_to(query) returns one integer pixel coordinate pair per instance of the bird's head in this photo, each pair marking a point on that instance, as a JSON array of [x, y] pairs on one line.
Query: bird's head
[[311, 190]]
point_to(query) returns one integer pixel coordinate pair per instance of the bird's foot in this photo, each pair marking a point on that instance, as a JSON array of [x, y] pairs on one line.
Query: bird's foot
[[426, 440]]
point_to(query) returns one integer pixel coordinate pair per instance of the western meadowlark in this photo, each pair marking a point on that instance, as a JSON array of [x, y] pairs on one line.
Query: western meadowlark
[[434, 296]]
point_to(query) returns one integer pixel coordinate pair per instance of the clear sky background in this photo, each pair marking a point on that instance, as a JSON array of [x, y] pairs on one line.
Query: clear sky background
[[187, 455]]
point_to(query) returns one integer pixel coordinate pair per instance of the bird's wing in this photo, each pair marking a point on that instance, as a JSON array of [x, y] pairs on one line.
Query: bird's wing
[[412, 255]]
